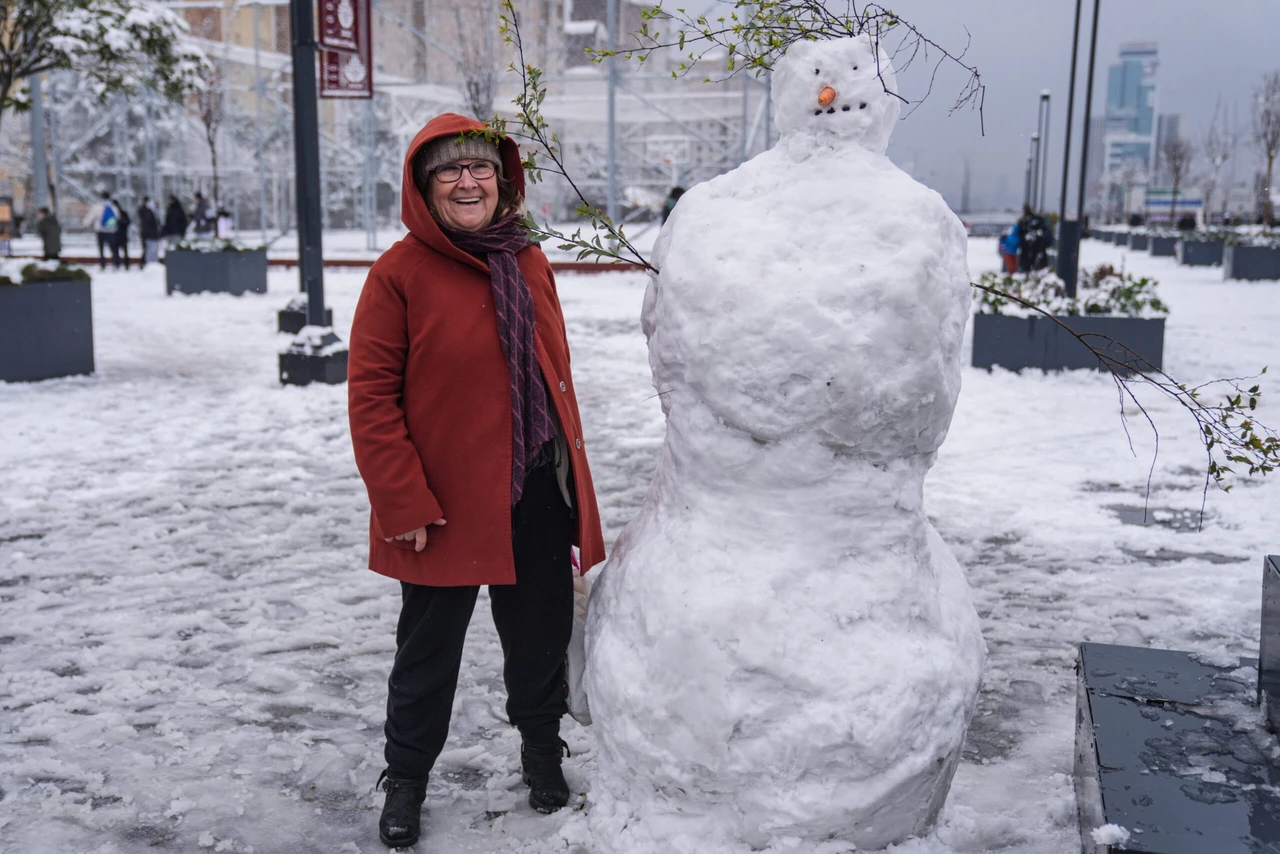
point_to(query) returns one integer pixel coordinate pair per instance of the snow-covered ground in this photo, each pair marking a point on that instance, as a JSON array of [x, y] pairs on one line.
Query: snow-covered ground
[[192, 655]]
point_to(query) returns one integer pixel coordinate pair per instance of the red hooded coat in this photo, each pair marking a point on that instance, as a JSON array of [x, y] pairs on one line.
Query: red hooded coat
[[429, 398]]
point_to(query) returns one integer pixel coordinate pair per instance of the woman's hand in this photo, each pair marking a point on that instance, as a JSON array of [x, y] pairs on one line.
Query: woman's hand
[[418, 535]]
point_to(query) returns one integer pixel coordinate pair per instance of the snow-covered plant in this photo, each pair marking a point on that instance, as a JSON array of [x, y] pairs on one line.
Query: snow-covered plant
[[115, 45], [1103, 290], [54, 271], [213, 245], [14, 272]]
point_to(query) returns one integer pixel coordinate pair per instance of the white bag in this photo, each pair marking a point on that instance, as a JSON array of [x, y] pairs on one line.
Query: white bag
[[576, 658]]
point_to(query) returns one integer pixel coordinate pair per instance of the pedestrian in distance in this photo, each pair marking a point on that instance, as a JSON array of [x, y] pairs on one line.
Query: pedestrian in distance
[[463, 411], [1034, 240], [175, 222], [149, 232], [202, 219], [50, 231], [669, 203], [103, 218], [1008, 249], [122, 234]]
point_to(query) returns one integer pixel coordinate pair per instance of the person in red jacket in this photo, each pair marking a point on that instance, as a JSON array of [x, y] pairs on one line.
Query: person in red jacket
[[467, 434]]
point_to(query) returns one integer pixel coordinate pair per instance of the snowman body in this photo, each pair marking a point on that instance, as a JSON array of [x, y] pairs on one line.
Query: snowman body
[[781, 649]]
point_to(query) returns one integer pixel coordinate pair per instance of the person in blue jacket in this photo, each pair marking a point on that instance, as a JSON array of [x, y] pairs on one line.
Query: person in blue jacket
[[1008, 248]]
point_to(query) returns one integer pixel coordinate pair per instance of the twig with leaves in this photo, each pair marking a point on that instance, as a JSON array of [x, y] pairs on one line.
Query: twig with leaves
[[1228, 430], [754, 34], [534, 128]]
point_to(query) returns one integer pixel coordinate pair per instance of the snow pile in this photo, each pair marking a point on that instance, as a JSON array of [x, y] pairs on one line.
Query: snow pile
[[782, 651], [1109, 834]]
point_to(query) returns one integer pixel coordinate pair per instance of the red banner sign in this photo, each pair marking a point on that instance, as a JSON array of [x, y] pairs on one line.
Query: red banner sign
[[341, 22], [348, 74]]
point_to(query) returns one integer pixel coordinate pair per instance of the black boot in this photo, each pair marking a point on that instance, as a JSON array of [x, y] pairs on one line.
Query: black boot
[[548, 790], [402, 813]]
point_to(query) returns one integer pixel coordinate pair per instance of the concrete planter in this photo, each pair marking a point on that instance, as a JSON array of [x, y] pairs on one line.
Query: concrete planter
[[293, 317], [1199, 253], [1251, 262], [218, 272], [1143, 718], [1139, 242], [46, 331], [1015, 343], [1162, 246]]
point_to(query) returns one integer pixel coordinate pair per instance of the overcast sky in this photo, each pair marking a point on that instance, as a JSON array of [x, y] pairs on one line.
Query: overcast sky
[[1207, 51]]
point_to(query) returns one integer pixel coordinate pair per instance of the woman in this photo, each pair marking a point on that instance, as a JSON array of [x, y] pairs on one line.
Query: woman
[[466, 432]]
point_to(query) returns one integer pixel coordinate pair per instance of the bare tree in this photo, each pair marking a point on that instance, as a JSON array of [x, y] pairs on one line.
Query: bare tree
[[1132, 172], [1266, 134], [478, 60], [1177, 159], [1218, 146], [210, 109]]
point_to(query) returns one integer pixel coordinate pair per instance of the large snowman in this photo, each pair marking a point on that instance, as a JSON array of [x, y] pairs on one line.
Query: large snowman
[[782, 652]]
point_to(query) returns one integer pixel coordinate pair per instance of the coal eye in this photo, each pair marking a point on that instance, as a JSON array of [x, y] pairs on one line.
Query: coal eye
[[817, 71], [855, 68], [862, 106]]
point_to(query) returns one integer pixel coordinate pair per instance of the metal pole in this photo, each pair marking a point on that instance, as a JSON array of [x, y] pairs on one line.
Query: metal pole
[[611, 69], [1026, 184], [1071, 104], [55, 149], [306, 145], [1035, 170], [1084, 137], [370, 175], [1069, 235], [1043, 196], [39, 167], [257, 105]]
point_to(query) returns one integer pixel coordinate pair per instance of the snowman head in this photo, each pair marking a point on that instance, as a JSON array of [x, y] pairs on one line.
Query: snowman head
[[836, 89]]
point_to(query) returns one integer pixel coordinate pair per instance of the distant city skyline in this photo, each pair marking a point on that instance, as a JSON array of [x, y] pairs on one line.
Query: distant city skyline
[[1022, 49]]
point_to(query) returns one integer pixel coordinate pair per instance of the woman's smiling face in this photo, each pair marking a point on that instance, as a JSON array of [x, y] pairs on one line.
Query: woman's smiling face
[[467, 204]]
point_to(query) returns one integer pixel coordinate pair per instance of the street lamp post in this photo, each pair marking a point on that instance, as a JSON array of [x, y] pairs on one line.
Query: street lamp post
[[1084, 146], [1043, 196], [317, 354]]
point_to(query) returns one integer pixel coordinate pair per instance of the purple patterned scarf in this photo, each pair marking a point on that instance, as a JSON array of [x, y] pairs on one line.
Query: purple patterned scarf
[[531, 423]]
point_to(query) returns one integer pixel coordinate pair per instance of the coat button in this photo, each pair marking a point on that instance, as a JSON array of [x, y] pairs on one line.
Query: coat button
[[579, 444], [563, 387]]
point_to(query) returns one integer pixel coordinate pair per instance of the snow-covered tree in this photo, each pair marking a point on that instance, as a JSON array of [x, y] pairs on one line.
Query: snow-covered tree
[[115, 45]]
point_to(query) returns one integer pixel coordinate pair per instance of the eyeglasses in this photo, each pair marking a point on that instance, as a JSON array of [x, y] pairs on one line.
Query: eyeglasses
[[452, 172]]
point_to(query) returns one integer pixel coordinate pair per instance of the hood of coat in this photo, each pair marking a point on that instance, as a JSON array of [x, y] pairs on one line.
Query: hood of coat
[[413, 208]]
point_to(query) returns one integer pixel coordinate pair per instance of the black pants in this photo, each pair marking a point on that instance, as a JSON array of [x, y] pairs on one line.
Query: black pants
[[534, 618], [122, 248], [107, 240]]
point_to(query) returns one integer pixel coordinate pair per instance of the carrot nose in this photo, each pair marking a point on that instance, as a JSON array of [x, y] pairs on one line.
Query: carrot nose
[[826, 96]]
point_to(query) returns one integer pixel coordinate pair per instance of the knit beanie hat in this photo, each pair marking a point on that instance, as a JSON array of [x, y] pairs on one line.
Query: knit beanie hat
[[447, 149]]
